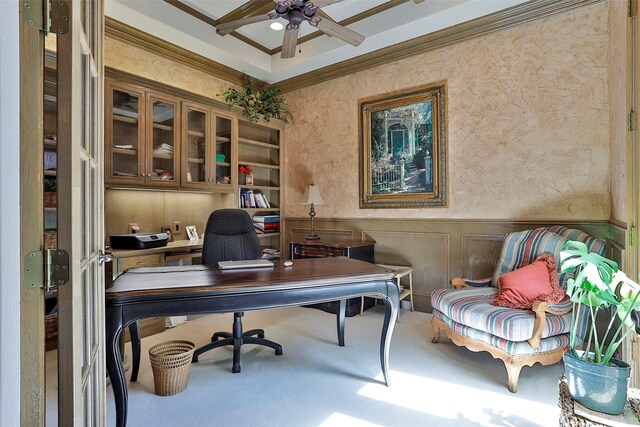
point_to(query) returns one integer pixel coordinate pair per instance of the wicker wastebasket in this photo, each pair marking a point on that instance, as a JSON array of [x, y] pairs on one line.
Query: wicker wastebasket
[[170, 362]]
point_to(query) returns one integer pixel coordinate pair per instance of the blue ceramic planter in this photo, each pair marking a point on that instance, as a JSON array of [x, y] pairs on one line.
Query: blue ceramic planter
[[598, 387]]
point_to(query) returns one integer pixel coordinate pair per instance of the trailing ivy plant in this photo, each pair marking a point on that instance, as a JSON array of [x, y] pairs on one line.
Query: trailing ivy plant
[[257, 104]]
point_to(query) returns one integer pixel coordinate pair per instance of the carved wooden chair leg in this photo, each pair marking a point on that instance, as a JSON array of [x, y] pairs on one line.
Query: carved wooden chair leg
[[513, 373], [436, 331]]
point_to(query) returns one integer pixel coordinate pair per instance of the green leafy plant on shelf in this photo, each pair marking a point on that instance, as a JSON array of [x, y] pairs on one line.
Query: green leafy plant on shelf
[[256, 104]]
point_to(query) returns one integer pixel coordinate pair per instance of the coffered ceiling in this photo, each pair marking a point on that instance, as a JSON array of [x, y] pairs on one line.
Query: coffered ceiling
[[255, 49]]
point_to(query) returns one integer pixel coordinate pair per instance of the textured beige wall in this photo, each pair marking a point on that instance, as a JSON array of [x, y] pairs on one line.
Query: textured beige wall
[[145, 64], [528, 125], [617, 101]]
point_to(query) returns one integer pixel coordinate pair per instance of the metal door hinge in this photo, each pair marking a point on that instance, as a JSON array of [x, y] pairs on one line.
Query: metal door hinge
[[633, 121], [45, 269], [49, 16], [633, 236]]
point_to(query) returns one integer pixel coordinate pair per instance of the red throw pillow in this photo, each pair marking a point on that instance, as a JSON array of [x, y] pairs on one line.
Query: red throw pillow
[[536, 281]]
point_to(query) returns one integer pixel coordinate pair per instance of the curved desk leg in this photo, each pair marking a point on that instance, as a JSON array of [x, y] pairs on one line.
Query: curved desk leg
[[390, 314], [114, 363], [134, 331], [342, 309]]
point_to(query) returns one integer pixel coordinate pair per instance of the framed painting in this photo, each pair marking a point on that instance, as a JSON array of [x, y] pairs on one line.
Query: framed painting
[[403, 149]]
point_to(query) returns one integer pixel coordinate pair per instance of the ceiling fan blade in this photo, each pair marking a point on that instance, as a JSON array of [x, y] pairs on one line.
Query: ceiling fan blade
[[289, 43], [343, 33], [323, 3], [228, 27]]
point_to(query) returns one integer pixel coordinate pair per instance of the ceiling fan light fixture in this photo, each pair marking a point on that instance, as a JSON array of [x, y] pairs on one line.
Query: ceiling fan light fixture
[[276, 26]]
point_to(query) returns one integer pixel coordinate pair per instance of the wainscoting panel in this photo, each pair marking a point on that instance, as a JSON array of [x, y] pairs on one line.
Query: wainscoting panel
[[480, 254], [429, 257], [439, 250]]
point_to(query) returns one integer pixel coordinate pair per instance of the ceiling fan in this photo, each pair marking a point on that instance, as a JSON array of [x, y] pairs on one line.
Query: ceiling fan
[[297, 12]]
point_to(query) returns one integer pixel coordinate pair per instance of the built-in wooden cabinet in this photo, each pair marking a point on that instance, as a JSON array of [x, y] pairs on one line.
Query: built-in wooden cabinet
[[207, 137], [158, 138], [141, 137], [50, 190]]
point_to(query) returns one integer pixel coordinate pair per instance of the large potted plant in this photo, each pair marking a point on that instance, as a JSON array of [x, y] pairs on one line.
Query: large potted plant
[[595, 378]]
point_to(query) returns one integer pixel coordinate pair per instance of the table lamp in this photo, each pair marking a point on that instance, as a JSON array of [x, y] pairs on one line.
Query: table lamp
[[312, 197]]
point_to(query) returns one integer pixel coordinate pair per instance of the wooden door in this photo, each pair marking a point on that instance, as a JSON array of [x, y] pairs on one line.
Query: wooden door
[[225, 130], [196, 139], [81, 366], [163, 149], [124, 134]]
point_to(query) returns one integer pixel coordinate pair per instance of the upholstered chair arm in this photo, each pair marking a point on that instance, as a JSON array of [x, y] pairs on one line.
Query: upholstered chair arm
[[461, 282], [541, 308]]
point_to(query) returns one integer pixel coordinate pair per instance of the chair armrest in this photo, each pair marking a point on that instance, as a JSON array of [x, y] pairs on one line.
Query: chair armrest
[[541, 308], [461, 282]]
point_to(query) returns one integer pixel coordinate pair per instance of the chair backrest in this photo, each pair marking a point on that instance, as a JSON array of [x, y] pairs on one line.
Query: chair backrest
[[521, 248], [230, 236]]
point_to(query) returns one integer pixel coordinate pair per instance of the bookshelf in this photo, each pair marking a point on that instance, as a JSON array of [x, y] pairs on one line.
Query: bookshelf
[[260, 150]]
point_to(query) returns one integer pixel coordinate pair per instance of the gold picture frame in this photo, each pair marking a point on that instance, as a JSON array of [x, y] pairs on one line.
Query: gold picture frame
[[403, 149]]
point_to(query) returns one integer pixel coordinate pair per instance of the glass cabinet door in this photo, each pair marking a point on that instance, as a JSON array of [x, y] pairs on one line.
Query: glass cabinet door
[[162, 143], [195, 140], [124, 131], [224, 131]]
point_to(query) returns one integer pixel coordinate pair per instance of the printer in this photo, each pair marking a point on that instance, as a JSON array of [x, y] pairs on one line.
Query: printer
[[139, 240]]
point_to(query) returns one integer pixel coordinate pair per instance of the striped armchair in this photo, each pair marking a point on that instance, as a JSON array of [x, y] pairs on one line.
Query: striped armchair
[[518, 337]]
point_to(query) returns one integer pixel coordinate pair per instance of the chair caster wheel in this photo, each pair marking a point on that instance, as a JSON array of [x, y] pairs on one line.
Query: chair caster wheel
[[279, 352], [235, 370], [260, 335], [195, 359]]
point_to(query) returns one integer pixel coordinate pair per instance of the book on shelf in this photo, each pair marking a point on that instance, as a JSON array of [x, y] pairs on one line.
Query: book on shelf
[[267, 227], [266, 218], [270, 253]]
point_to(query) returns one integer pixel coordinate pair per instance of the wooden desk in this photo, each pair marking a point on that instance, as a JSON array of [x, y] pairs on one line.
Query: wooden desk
[[356, 249], [147, 292], [123, 259]]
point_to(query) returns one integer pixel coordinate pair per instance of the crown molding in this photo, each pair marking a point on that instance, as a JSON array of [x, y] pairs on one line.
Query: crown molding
[[124, 33], [514, 16], [511, 17]]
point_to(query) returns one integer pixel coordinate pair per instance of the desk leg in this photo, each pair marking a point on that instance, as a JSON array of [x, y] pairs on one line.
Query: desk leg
[[340, 316], [114, 363], [134, 331], [391, 303]]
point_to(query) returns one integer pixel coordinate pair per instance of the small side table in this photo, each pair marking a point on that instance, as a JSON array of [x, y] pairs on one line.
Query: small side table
[[568, 417], [400, 272]]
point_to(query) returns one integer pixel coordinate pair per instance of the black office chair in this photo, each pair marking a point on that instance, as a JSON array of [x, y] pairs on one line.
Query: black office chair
[[229, 236]]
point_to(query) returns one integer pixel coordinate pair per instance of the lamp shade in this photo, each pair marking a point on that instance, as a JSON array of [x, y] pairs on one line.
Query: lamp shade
[[312, 195]]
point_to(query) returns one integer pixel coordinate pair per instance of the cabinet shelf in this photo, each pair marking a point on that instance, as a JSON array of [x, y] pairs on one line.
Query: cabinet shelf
[[222, 139], [50, 173], [163, 156], [223, 164], [123, 119], [258, 143], [195, 133], [254, 210], [127, 151], [266, 235], [195, 160], [163, 127], [260, 187], [259, 165]]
